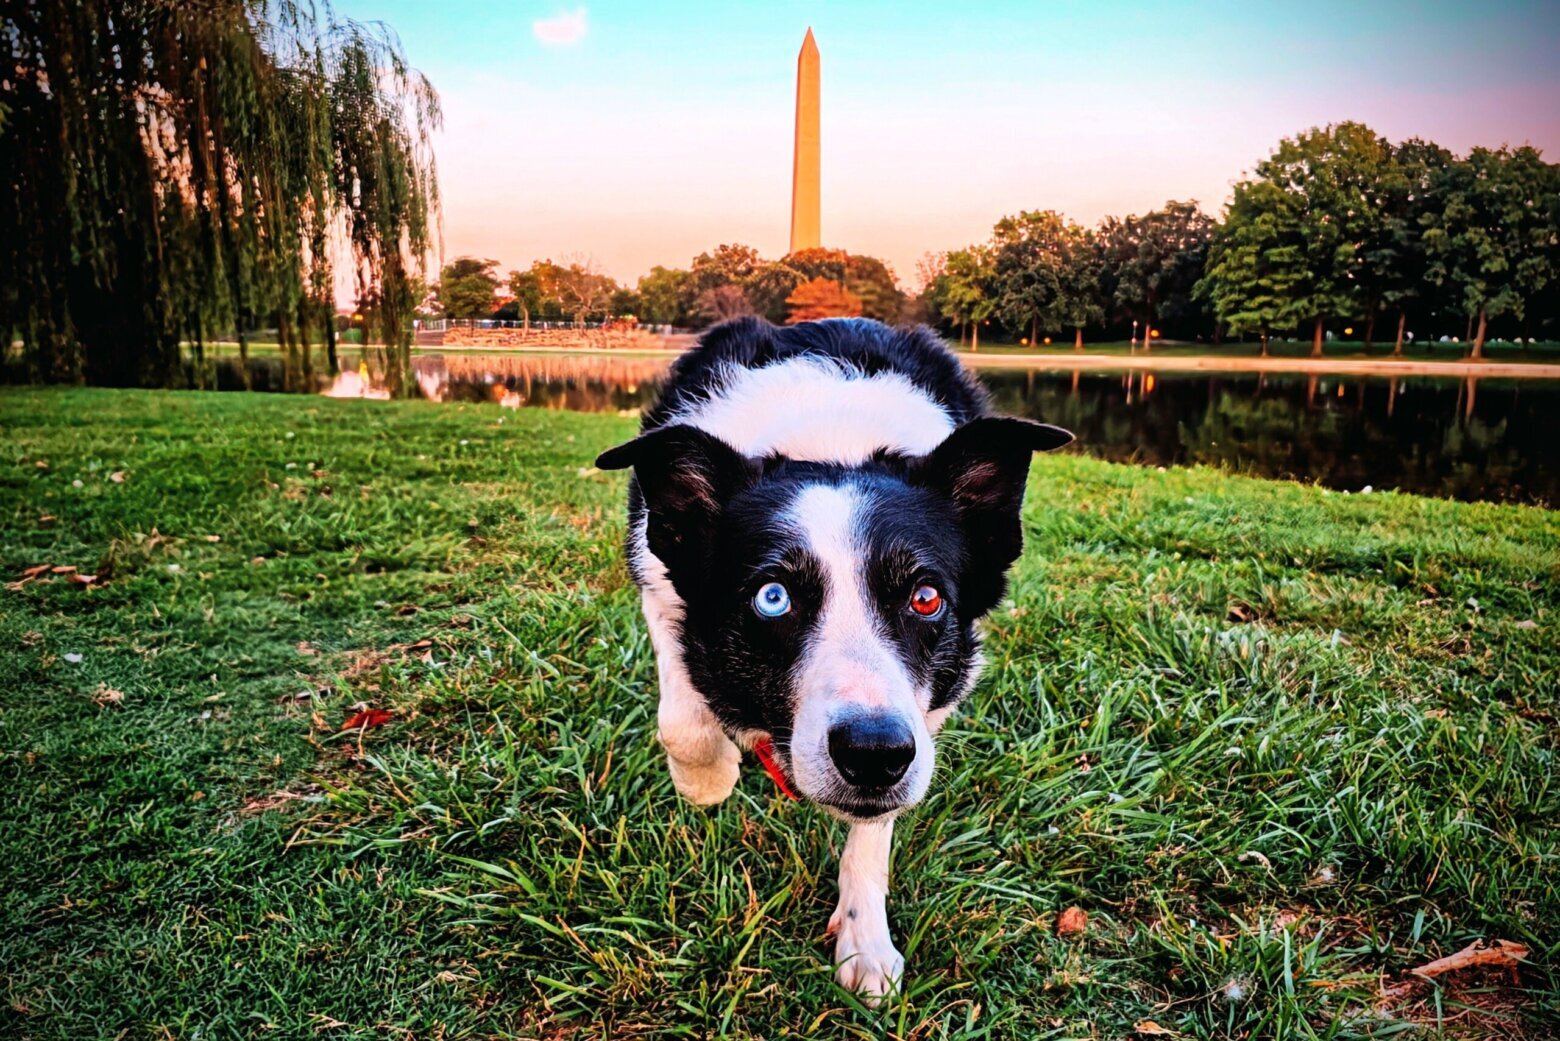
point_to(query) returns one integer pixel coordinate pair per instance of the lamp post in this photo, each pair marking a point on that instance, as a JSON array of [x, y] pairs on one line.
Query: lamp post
[[1132, 344]]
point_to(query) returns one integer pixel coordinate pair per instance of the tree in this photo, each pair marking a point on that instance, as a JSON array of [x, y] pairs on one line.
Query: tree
[[965, 292], [873, 282], [821, 298], [581, 290], [1149, 264], [1492, 239], [727, 265], [1081, 302], [660, 295], [467, 286], [1027, 256], [175, 171], [1394, 265], [1252, 272], [768, 288], [868, 278], [528, 289], [1329, 179], [722, 303], [1046, 274], [625, 303]]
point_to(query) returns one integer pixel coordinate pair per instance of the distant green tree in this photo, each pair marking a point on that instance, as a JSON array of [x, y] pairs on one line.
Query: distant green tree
[[1028, 254], [1393, 259], [1330, 179], [1252, 270], [727, 265], [467, 286], [872, 282], [767, 289], [965, 291], [1492, 238], [529, 290], [1047, 274], [625, 303], [660, 295], [1149, 263]]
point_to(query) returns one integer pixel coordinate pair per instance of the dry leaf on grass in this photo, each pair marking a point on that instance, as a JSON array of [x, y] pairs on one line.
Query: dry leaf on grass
[[368, 718], [1499, 953], [1072, 922], [118, 477], [1148, 1028], [106, 696]]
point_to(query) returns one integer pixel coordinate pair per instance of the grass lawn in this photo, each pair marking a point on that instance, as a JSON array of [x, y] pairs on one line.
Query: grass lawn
[[1281, 745]]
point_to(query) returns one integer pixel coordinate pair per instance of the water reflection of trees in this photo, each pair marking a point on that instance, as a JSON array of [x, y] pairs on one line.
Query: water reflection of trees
[[1470, 439], [1467, 439], [563, 382]]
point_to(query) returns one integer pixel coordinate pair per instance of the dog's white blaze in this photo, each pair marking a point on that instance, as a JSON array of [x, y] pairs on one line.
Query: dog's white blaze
[[819, 409], [846, 661]]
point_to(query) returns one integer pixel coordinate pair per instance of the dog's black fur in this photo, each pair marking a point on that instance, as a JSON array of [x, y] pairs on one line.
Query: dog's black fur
[[851, 528]]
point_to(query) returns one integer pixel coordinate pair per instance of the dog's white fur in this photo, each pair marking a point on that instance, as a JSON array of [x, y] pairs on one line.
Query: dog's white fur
[[819, 409], [847, 662], [813, 409]]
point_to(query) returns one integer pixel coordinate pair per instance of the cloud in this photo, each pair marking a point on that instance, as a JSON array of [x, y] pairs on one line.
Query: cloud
[[561, 30]]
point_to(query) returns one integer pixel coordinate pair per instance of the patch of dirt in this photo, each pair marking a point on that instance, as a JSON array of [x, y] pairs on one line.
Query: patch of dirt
[[276, 800]]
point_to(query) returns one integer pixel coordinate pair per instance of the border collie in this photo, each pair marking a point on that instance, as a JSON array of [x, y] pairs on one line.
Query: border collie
[[817, 518]]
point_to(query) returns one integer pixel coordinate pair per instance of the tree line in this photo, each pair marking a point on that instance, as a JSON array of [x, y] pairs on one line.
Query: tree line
[[726, 282], [1338, 228]]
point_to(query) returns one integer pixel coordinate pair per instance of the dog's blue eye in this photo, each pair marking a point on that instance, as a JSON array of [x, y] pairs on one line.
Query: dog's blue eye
[[772, 600]]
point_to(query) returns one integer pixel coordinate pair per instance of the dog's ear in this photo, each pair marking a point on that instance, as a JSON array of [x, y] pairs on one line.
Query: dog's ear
[[686, 477], [983, 466]]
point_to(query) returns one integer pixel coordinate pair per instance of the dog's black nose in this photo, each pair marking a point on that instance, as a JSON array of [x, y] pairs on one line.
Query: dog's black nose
[[873, 749]]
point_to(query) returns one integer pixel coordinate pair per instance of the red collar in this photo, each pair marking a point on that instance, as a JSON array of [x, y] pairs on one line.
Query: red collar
[[765, 750]]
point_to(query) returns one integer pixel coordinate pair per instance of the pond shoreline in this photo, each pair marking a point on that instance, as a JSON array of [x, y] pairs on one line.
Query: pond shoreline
[[1324, 366], [1459, 369]]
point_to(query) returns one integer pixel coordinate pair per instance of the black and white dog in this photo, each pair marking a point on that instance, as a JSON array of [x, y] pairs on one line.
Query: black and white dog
[[818, 516]]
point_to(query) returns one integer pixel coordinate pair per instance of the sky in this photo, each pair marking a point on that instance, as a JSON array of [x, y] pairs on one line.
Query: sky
[[636, 133]]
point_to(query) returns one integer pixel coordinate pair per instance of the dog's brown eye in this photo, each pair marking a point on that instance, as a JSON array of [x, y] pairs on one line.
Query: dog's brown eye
[[926, 601]]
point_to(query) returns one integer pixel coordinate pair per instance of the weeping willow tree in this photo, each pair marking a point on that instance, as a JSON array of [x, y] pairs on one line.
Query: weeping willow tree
[[176, 171]]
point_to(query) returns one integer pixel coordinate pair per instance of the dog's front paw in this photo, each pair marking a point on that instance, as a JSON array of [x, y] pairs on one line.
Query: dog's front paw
[[868, 961], [706, 784]]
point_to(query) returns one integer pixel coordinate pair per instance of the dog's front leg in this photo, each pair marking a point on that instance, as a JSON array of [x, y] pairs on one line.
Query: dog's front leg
[[868, 961], [703, 760]]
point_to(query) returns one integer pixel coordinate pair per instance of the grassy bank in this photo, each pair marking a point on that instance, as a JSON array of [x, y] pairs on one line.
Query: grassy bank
[[1281, 745]]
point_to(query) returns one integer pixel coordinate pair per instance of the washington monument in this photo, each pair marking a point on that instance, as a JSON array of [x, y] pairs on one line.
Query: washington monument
[[805, 231]]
